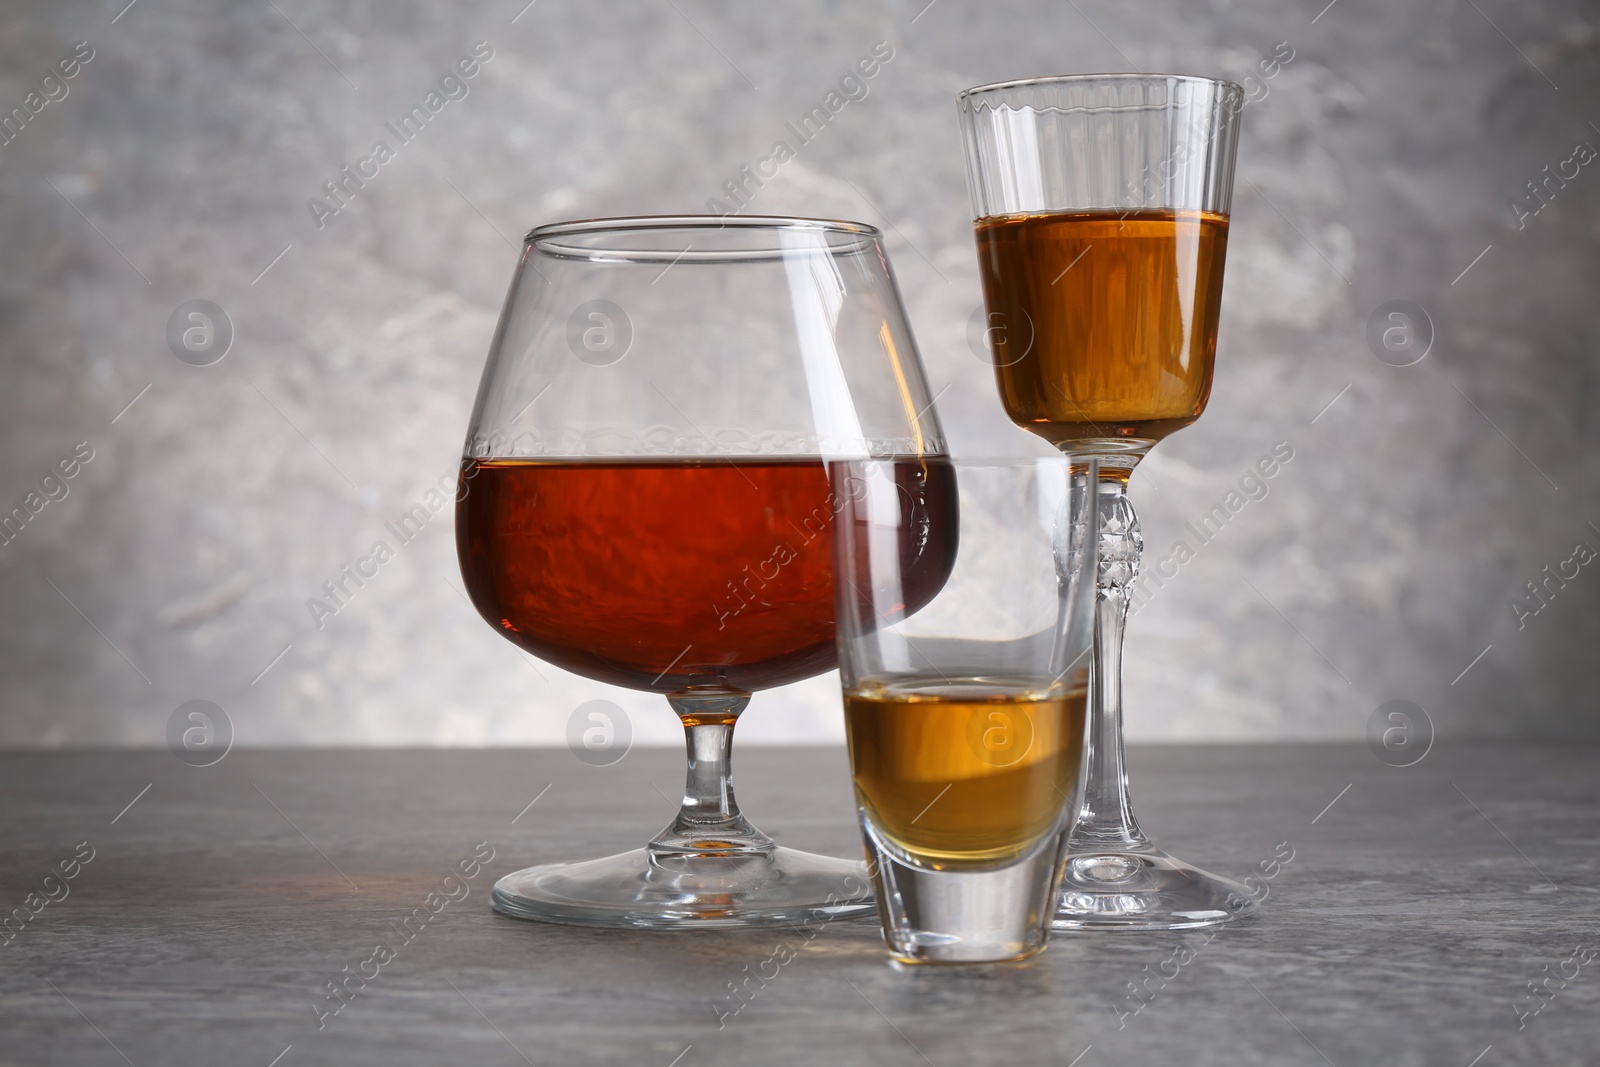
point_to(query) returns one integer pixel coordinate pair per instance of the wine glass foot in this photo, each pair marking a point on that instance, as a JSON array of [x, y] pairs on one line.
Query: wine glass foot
[[645, 890], [1145, 890]]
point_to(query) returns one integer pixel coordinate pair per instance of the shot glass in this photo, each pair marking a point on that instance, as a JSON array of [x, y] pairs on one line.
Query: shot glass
[[963, 602]]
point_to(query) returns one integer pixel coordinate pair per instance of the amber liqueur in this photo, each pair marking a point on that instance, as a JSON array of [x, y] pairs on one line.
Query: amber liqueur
[[675, 573], [1104, 324], [964, 772]]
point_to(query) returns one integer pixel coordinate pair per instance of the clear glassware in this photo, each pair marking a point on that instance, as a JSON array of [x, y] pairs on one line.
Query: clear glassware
[[644, 501], [965, 710], [1101, 205]]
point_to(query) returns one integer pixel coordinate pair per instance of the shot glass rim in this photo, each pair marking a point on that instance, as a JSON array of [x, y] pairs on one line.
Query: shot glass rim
[[974, 461]]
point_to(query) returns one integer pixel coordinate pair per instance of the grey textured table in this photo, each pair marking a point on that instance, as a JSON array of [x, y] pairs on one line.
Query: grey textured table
[[1416, 908]]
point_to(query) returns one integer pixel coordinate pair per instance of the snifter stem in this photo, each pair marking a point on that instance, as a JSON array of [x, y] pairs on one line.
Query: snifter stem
[[1105, 815], [709, 822]]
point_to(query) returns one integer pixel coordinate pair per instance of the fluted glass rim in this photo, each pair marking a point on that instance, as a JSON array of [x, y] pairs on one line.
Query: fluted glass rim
[[966, 97], [1029, 141], [836, 237]]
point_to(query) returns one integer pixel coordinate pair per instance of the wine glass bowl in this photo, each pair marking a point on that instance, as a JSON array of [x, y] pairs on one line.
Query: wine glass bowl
[[645, 502]]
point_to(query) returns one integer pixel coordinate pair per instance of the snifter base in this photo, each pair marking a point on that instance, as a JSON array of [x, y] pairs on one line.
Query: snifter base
[[1145, 891], [646, 889]]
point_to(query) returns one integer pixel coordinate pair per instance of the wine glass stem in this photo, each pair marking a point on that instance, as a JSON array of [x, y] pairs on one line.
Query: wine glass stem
[[1105, 819], [709, 820]]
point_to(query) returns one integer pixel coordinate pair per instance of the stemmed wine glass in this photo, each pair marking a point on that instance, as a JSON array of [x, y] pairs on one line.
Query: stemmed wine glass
[[1101, 206], [645, 501]]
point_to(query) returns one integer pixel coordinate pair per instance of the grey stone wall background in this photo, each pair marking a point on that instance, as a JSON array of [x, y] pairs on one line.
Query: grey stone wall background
[[1379, 165]]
